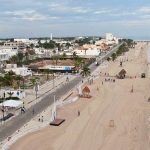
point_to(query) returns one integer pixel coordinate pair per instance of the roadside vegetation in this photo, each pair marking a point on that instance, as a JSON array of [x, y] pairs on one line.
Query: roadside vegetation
[[128, 43]]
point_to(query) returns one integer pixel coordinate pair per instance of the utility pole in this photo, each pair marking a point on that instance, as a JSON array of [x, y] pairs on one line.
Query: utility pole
[[53, 81], [23, 83], [36, 89], [3, 106], [54, 107]]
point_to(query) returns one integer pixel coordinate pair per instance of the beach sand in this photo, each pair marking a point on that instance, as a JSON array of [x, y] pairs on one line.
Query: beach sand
[[113, 119]]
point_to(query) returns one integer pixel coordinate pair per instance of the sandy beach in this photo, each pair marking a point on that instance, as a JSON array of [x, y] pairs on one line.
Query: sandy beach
[[113, 119]]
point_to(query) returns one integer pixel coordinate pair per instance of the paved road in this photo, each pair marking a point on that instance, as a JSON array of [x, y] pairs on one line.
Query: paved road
[[17, 122]]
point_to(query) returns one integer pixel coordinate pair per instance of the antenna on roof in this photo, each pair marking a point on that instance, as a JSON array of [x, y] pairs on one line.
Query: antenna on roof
[[51, 37]]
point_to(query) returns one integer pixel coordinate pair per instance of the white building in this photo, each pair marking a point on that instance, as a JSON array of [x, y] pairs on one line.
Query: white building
[[23, 71], [15, 93], [22, 40], [58, 68], [10, 48], [41, 52], [111, 39], [88, 52], [3, 56]]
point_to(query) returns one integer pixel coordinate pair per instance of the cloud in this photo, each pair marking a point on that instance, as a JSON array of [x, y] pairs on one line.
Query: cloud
[[118, 14], [103, 11], [29, 15], [145, 16], [65, 8], [144, 9]]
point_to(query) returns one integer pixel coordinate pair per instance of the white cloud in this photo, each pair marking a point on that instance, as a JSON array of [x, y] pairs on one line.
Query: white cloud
[[57, 7], [103, 11], [80, 10], [145, 16], [145, 9], [30, 15], [123, 14]]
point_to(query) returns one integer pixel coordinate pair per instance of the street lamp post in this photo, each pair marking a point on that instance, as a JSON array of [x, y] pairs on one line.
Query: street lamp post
[[53, 81], [36, 89], [3, 106], [23, 83]]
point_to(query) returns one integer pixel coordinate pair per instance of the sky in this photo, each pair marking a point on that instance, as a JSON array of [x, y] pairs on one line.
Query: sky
[[40, 18]]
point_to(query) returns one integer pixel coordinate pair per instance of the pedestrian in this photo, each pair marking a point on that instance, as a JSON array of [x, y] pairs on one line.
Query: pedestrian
[[39, 119], [42, 118], [78, 113], [102, 82], [33, 112]]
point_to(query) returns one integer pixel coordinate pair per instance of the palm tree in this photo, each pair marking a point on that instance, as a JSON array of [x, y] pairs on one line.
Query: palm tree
[[27, 56], [33, 81], [14, 59], [8, 80], [85, 72], [1, 81], [74, 55], [20, 57], [56, 58], [11, 73], [77, 64], [64, 56], [18, 78], [47, 71], [10, 94], [114, 56]]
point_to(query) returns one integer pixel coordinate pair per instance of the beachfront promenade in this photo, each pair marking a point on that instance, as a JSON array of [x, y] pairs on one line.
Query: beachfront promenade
[[11, 126]]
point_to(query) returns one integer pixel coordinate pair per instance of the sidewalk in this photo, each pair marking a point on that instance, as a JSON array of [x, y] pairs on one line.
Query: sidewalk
[[44, 90]]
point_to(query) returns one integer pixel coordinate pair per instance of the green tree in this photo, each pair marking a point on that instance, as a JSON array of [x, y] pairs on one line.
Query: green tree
[[10, 94], [13, 59], [18, 78], [114, 56], [47, 71], [27, 56], [56, 58], [85, 72], [32, 45], [64, 55], [74, 55], [34, 80], [20, 57]]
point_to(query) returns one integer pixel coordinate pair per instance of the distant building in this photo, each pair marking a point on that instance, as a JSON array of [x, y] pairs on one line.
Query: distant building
[[3, 57], [22, 40], [87, 52], [59, 68], [23, 71], [111, 39], [9, 48]]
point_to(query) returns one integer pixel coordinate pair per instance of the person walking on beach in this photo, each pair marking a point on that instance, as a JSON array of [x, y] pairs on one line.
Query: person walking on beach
[[78, 113], [39, 119], [42, 119], [33, 112]]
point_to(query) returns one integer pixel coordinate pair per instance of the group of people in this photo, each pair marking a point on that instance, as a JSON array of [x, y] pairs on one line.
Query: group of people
[[109, 80], [41, 119]]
